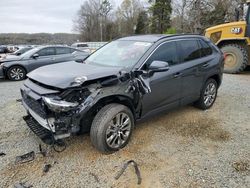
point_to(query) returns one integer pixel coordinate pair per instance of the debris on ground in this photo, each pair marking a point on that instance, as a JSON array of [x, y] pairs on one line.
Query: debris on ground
[[42, 151], [19, 100], [59, 146], [137, 171], [241, 166], [25, 158], [22, 185], [95, 176], [2, 154], [46, 168]]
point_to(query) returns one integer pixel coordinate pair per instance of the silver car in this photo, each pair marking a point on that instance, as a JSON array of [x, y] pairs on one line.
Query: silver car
[[16, 67]]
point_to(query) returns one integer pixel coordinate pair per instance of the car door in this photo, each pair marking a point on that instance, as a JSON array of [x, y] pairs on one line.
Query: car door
[[46, 56], [194, 67], [165, 86]]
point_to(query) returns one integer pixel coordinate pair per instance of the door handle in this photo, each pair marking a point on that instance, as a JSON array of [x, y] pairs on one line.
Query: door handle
[[177, 75], [205, 65]]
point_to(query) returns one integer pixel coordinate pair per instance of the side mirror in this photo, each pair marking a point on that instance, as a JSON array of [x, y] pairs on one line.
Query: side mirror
[[35, 56], [158, 66]]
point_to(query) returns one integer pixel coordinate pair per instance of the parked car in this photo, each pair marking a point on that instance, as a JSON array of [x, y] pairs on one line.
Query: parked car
[[21, 51], [127, 80], [82, 46], [16, 67], [4, 49]]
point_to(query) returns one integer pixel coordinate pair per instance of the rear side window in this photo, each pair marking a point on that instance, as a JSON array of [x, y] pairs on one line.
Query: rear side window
[[166, 52], [206, 50], [82, 45], [63, 50], [190, 50], [47, 51]]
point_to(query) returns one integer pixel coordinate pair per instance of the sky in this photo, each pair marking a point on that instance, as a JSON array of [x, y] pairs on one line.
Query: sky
[[34, 16]]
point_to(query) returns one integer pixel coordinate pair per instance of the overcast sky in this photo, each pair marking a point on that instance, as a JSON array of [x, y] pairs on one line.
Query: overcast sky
[[33, 16]]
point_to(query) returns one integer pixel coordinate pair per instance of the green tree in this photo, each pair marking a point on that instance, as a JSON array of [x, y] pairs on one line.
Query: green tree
[[161, 12], [142, 23]]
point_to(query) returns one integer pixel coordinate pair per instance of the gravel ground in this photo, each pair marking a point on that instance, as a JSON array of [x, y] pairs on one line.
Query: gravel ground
[[184, 148]]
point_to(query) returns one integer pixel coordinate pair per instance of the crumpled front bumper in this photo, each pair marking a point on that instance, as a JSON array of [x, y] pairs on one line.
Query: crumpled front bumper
[[44, 134], [38, 119]]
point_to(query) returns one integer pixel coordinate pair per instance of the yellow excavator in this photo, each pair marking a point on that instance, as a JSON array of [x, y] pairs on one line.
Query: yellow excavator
[[234, 41]]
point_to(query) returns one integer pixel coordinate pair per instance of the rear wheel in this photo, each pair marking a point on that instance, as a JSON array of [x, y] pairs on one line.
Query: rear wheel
[[236, 58], [112, 128], [208, 95], [16, 73]]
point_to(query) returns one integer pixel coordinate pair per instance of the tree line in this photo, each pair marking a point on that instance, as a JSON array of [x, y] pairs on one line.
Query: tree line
[[101, 20], [38, 38]]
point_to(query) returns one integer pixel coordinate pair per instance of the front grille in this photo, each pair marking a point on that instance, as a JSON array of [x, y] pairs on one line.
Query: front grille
[[44, 134], [34, 106]]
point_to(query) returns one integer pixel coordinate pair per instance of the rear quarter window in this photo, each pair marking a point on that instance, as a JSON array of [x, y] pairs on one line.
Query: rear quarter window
[[62, 50], [206, 49], [190, 49]]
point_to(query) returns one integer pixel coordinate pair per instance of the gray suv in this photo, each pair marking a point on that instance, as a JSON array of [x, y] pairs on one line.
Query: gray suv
[[16, 67], [127, 80]]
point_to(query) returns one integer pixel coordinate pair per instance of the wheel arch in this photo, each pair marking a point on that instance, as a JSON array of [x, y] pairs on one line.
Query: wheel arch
[[90, 114], [216, 77], [15, 65], [241, 41]]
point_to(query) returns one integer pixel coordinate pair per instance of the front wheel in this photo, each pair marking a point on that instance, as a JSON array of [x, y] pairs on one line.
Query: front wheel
[[16, 73], [208, 95], [112, 128]]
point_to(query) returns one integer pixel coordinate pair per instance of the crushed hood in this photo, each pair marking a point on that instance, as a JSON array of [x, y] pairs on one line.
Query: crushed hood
[[62, 75]]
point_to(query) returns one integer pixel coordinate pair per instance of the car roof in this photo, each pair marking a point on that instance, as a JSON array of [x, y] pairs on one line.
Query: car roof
[[156, 37], [45, 46]]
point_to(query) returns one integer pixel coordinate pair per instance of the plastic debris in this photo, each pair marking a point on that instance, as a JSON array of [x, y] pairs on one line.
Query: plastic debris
[[137, 171], [25, 158]]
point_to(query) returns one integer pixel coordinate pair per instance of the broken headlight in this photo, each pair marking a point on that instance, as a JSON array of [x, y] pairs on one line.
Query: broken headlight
[[59, 105]]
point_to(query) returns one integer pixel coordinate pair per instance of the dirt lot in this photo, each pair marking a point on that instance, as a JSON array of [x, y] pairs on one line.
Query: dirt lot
[[185, 148]]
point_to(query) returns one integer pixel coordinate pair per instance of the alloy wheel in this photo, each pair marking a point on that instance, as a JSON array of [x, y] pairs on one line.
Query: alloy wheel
[[17, 74], [210, 94], [118, 131]]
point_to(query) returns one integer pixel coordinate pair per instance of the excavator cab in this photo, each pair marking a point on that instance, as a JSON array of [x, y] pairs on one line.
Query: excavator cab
[[234, 40]]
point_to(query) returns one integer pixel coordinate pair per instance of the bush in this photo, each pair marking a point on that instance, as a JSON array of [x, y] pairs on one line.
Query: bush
[[170, 31]]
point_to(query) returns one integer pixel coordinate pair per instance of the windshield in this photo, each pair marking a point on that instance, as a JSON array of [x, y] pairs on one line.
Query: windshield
[[30, 52], [21, 51], [119, 53]]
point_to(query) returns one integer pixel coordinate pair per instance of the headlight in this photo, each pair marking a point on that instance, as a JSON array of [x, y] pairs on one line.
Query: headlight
[[59, 105]]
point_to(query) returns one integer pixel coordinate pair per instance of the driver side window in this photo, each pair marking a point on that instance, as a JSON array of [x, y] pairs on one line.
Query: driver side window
[[165, 52], [47, 51]]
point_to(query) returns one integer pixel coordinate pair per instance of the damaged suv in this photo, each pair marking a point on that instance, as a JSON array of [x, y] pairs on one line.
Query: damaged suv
[[127, 80]]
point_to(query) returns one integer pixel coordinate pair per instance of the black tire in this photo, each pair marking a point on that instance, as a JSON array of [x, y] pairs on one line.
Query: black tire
[[201, 102], [16, 73], [102, 123], [236, 58]]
